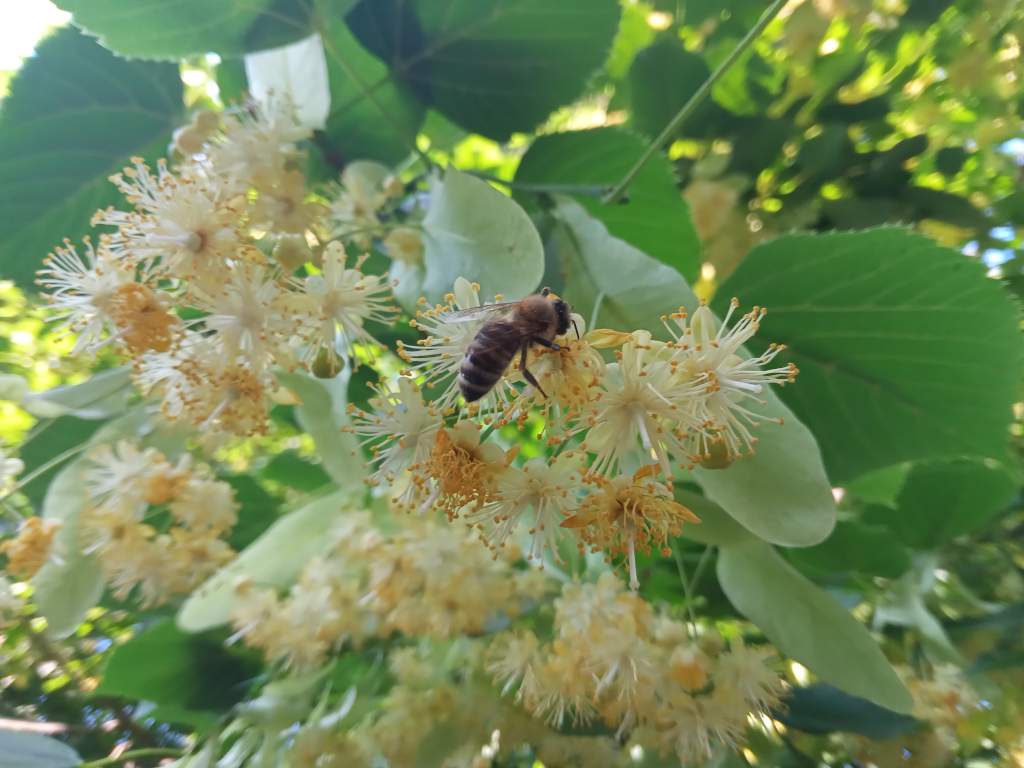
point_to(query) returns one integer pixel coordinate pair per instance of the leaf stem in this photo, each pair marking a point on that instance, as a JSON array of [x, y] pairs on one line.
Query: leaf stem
[[687, 110], [134, 754], [686, 591], [591, 190], [58, 459]]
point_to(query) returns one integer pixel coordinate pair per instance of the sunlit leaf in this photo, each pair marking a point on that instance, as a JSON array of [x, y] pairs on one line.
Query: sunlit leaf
[[33, 750], [274, 559], [906, 349], [101, 396], [808, 625]]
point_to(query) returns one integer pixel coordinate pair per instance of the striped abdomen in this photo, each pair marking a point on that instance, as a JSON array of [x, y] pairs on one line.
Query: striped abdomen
[[493, 348]]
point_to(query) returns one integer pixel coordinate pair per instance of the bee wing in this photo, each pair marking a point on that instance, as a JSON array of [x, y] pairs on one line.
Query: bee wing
[[478, 313]]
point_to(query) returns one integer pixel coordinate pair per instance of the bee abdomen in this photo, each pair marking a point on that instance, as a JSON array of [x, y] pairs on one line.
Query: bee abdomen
[[485, 361]]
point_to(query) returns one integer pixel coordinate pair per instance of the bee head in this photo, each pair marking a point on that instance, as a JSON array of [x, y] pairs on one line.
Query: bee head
[[562, 310]]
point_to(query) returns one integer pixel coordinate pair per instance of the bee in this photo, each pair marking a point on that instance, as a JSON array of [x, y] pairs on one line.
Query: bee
[[512, 327]]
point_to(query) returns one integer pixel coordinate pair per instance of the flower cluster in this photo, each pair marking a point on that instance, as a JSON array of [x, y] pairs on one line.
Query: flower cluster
[[196, 281], [628, 425], [421, 580], [30, 549], [613, 659], [155, 526]]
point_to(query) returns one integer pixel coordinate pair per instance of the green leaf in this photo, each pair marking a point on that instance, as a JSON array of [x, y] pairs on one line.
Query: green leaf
[[942, 500], [822, 708], [716, 527], [74, 115], [780, 493], [322, 415], [174, 29], [101, 396], [808, 625], [70, 583], [855, 547], [881, 486], [33, 750], [258, 508], [492, 66], [661, 80], [895, 338], [903, 606], [195, 682], [274, 559], [473, 231], [654, 218], [628, 288], [372, 115], [289, 468]]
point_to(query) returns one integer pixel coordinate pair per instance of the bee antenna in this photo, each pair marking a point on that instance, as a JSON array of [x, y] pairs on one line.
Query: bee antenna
[[576, 328]]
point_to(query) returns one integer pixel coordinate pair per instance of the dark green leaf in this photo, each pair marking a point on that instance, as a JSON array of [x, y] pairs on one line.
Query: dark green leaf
[[291, 469], [881, 486], [174, 29], [949, 160], [936, 204], [258, 509], [825, 155], [823, 708], [492, 66], [807, 624], [895, 338], [75, 114], [855, 548], [192, 676], [943, 500], [662, 79], [654, 218], [373, 115]]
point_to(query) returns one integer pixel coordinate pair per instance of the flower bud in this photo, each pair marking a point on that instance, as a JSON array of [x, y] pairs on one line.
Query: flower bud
[[291, 252], [327, 364], [718, 456]]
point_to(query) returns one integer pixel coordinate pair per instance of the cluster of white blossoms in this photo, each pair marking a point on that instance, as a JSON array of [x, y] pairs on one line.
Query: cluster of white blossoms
[[621, 429], [156, 527], [198, 280], [423, 579], [613, 659]]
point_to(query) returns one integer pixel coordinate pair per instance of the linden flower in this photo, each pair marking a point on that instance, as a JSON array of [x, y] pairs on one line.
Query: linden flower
[[400, 433], [542, 492], [248, 316], [123, 471], [256, 142], [143, 320], [81, 290], [10, 468], [641, 400], [405, 244], [709, 353], [438, 356], [27, 552], [570, 376], [746, 671], [514, 659], [182, 227], [363, 193], [460, 470], [195, 384], [205, 504], [628, 514], [283, 206], [346, 298]]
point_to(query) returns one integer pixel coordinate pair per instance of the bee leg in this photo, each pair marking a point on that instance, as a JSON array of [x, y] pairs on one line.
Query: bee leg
[[526, 371], [546, 343]]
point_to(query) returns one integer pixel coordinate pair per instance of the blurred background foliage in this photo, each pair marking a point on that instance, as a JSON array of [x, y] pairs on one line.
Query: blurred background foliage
[[845, 114]]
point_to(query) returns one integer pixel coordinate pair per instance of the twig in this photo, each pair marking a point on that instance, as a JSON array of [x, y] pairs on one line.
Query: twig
[[43, 468], [694, 101], [686, 590], [134, 754], [592, 190]]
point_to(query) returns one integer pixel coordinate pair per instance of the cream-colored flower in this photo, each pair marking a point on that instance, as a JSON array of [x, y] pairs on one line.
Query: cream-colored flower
[[283, 206], [710, 354], [644, 409], [405, 244], [542, 492], [363, 193], [27, 551], [183, 226], [400, 433], [122, 472], [461, 470], [81, 290], [345, 298], [629, 514], [205, 504], [10, 467]]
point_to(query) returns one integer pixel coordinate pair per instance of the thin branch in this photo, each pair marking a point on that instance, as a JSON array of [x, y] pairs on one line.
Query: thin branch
[[134, 754], [695, 101], [687, 593], [590, 190], [43, 468]]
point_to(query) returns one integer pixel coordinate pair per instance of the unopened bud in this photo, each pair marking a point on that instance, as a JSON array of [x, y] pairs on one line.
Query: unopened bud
[[205, 121], [393, 186], [718, 456], [327, 364], [187, 141], [405, 244], [292, 251]]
